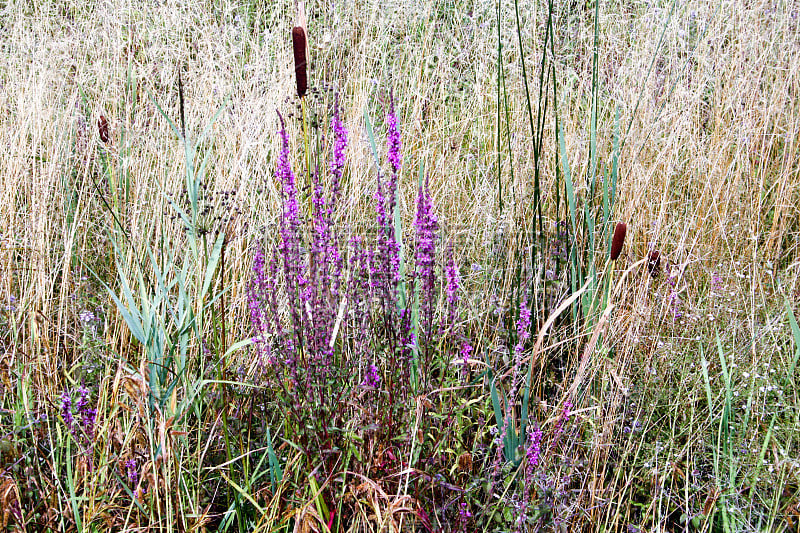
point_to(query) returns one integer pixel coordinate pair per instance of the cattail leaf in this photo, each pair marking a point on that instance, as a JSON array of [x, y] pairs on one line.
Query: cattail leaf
[[73, 499], [371, 137], [275, 474], [211, 123], [796, 334], [135, 325], [498, 411], [706, 380], [211, 267], [606, 207], [245, 494], [573, 217], [164, 114], [614, 163]]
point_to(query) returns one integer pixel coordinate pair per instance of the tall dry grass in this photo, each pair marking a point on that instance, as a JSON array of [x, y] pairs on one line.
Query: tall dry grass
[[710, 120]]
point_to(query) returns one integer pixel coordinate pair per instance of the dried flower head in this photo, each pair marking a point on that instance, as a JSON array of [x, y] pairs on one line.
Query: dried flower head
[[654, 263], [618, 240], [102, 128], [300, 61]]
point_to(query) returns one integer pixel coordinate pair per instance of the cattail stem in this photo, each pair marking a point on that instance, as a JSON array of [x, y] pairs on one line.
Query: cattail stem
[[307, 144], [105, 138]]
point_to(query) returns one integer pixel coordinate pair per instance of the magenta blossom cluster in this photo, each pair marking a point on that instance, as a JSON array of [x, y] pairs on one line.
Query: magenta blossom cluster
[[333, 316], [426, 228], [79, 417]]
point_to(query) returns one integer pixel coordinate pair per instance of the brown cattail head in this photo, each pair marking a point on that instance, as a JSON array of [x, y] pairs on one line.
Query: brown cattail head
[[300, 63], [102, 127], [654, 263], [619, 240]]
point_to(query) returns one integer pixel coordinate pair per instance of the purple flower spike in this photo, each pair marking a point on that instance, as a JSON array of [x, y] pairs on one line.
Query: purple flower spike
[[87, 414], [132, 471], [290, 230], [393, 138], [426, 226], [534, 451], [453, 282], [66, 410], [372, 379], [338, 162]]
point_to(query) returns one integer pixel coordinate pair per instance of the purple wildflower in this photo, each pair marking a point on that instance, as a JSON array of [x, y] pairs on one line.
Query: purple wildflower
[[451, 273], [384, 266], [523, 333], [560, 423], [338, 162], [532, 461], [393, 138], [466, 351], [426, 226], [463, 516], [523, 324], [87, 414], [290, 228], [533, 453], [372, 379], [66, 410], [263, 304], [386, 269], [132, 472]]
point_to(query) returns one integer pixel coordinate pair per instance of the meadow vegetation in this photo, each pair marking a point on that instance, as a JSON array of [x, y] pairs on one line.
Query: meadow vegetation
[[505, 266]]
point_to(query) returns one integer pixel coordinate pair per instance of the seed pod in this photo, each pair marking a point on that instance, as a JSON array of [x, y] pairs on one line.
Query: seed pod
[[654, 263], [300, 63], [102, 127], [619, 240]]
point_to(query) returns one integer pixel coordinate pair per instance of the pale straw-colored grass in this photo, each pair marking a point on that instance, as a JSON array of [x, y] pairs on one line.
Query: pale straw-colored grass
[[709, 172]]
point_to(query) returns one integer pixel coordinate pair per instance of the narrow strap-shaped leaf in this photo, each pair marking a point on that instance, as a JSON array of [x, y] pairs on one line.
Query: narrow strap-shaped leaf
[[371, 136], [211, 268]]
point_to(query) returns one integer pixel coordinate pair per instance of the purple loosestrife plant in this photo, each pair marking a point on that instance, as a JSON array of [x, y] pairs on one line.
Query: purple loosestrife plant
[[66, 411], [388, 249], [132, 472], [307, 265], [451, 274], [79, 418], [290, 237], [523, 333], [329, 324], [450, 325], [426, 227], [338, 161], [262, 311], [562, 421], [86, 414], [393, 140], [466, 351], [532, 462]]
